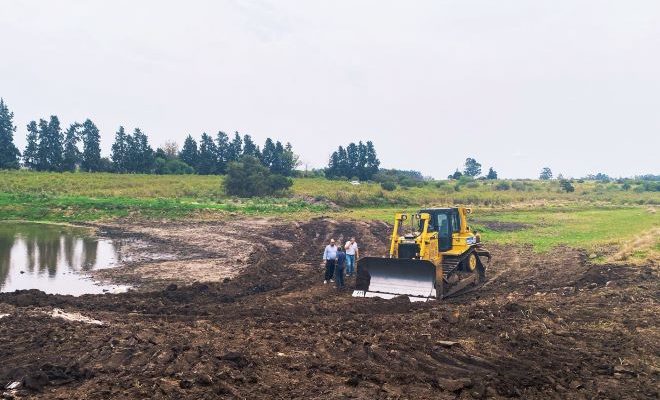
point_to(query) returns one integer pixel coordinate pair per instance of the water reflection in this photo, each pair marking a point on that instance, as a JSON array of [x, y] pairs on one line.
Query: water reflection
[[51, 258]]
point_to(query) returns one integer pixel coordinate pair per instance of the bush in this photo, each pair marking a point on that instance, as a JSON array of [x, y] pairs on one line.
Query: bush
[[399, 176], [465, 179], [472, 185], [249, 178], [519, 186], [172, 167], [566, 186], [406, 182], [503, 185], [389, 186]]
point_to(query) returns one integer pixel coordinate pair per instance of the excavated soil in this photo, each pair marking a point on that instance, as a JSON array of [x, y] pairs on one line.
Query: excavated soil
[[238, 310]]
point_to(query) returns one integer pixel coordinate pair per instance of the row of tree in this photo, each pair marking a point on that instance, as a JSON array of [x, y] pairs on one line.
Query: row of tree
[[355, 161], [49, 148], [214, 156]]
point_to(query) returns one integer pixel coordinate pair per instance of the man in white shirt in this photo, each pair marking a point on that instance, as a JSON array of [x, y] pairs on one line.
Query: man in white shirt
[[330, 258], [351, 255]]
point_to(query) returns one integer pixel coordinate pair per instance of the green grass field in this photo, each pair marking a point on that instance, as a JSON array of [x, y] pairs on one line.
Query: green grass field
[[595, 214]]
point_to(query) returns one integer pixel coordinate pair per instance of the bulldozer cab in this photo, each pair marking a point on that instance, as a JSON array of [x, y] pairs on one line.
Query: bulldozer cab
[[446, 222]]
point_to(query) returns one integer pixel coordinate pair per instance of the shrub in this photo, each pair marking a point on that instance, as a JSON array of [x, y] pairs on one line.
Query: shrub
[[249, 178], [465, 179], [398, 176], [566, 186], [472, 185], [503, 185], [519, 186], [172, 167], [389, 186]]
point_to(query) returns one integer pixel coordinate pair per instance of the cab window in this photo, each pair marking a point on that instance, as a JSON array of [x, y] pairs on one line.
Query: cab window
[[456, 221], [442, 224]]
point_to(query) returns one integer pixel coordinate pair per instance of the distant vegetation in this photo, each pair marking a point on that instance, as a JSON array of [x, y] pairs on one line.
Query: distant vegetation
[[248, 170], [50, 195]]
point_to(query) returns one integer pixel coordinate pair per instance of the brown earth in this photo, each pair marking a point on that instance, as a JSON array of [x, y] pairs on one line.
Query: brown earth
[[264, 326]]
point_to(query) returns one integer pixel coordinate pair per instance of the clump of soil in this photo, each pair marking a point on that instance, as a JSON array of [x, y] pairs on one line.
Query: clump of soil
[[543, 326]]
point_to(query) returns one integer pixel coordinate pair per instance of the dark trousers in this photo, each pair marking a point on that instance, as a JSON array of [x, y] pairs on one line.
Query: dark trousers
[[329, 269], [339, 276]]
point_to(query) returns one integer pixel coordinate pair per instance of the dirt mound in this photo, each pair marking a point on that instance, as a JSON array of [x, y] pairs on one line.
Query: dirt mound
[[544, 326]]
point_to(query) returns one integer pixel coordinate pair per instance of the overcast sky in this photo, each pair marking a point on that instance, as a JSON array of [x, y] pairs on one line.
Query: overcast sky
[[518, 85]]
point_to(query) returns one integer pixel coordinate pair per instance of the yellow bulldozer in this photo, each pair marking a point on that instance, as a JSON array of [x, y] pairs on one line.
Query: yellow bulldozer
[[437, 256]]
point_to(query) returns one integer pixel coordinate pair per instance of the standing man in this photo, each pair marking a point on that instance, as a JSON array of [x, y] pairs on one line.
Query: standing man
[[352, 254], [339, 268], [330, 258]]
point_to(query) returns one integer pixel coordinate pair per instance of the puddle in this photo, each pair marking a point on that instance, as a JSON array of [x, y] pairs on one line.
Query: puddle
[[53, 258]]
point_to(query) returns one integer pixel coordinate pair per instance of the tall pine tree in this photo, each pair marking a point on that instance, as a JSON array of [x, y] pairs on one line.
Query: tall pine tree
[[235, 148], [268, 153], [332, 171], [31, 152], [250, 148], [207, 156], [189, 153], [344, 168], [278, 165], [373, 163], [222, 152], [119, 151], [139, 154], [71, 153], [291, 160], [361, 167], [353, 160], [91, 155], [9, 154], [50, 150]]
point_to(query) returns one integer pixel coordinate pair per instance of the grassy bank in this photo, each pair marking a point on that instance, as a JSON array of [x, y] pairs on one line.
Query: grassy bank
[[579, 225], [594, 215], [208, 189]]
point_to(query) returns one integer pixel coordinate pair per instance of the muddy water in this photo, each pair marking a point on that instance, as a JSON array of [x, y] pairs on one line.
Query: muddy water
[[53, 258]]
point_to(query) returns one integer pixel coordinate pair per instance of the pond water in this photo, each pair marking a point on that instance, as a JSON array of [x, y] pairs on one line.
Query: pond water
[[53, 258]]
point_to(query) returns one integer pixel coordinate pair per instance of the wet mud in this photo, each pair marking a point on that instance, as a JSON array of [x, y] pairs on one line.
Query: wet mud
[[544, 326]]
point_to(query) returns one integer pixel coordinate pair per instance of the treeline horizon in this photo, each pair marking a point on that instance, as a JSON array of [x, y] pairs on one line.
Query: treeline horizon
[[50, 148], [78, 148]]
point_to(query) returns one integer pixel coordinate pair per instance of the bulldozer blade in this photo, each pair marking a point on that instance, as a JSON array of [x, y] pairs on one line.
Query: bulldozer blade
[[396, 276]]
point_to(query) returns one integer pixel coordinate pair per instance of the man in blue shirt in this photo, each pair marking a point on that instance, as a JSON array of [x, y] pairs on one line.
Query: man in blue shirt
[[330, 258], [339, 268]]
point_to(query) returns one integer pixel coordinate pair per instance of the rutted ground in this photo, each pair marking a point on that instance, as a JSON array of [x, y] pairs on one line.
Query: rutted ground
[[236, 309]]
